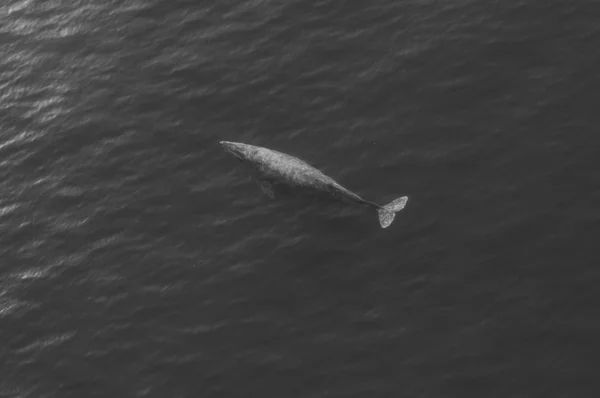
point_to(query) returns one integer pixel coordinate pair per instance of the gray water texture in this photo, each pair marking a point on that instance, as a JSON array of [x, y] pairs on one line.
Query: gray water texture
[[137, 259]]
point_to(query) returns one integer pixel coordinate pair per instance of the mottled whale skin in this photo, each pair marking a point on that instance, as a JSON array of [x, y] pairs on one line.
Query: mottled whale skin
[[274, 167]]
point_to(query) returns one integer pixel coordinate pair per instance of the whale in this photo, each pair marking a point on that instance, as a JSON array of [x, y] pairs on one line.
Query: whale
[[272, 168]]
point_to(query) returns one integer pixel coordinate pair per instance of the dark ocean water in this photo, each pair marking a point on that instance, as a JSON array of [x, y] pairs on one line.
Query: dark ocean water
[[137, 259]]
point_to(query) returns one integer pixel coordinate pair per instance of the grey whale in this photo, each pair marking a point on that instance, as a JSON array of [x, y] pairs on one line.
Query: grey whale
[[274, 167]]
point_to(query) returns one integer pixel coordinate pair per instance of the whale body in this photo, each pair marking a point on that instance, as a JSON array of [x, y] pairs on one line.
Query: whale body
[[274, 167]]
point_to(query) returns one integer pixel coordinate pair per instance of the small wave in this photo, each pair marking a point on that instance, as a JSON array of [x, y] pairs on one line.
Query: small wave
[[47, 342], [4, 210], [34, 273], [68, 223]]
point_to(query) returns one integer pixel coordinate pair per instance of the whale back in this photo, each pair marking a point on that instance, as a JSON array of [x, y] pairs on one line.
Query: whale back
[[282, 169], [279, 166]]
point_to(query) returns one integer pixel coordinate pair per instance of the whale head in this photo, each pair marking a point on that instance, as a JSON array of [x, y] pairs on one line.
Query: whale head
[[233, 148], [241, 151]]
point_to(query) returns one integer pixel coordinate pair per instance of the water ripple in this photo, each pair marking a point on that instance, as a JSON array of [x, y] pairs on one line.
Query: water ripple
[[47, 342]]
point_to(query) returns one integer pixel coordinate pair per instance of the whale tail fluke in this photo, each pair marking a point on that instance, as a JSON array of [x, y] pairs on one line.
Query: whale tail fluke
[[388, 212]]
